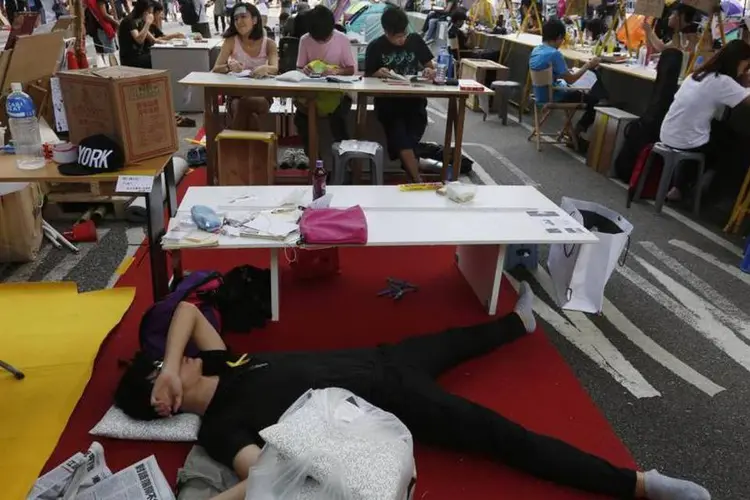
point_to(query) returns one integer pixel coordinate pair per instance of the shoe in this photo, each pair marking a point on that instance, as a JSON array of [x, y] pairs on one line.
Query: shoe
[[287, 159], [301, 160], [197, 156]]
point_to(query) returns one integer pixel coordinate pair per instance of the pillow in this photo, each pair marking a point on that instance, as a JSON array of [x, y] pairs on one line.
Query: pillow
[[116, 424], [347, 441]]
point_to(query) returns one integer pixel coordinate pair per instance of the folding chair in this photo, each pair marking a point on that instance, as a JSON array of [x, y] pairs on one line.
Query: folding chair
[[544, 78]]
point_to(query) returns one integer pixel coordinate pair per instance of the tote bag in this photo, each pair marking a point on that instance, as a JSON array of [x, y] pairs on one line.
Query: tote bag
[[580, 272]]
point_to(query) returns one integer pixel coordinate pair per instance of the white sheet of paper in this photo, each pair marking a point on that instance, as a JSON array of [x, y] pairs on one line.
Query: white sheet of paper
[[245, 73], [586, 81], [134, 184]]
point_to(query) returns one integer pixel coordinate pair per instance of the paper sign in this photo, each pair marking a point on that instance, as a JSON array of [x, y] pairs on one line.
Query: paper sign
[[649, 8], [134, 184], [705, 6]]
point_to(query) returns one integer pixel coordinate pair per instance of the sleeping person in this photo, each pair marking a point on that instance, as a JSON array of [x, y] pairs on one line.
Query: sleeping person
[[239, 396]]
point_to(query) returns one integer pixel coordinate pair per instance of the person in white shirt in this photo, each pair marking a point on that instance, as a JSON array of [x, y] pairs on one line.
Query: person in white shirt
[[719, 83], [202, 26]]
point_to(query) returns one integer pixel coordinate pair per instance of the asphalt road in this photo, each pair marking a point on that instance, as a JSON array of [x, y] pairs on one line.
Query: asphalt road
[[667, 361]]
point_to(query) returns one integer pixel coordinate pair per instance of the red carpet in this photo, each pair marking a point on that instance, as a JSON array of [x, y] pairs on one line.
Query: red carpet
[[527, 381]]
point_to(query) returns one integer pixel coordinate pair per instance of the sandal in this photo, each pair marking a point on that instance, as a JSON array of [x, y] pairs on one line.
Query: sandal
[[184, 121]]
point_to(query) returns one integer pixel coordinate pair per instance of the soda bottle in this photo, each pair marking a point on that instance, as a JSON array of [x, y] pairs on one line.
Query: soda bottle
[[319, 180]]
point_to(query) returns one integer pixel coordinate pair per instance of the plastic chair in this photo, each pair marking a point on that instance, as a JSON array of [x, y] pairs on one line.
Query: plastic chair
[[341, 162], [288, 49], [544, 78], [503, 91], [672, 159]]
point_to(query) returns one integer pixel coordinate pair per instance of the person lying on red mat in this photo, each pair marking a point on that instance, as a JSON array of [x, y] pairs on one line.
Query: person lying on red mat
[[232, 395]]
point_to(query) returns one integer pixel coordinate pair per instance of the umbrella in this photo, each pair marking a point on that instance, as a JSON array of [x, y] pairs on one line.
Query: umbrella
[[731, 7]]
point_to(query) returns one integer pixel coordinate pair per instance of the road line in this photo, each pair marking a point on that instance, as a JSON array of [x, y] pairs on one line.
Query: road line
[[70, 261], [23, 273], [720, 306], [584, 334], [690, 309], [505, 162], [135, 237], [732, 270]]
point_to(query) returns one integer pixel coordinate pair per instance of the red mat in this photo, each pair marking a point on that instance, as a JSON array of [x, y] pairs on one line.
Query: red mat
[[527, 381]]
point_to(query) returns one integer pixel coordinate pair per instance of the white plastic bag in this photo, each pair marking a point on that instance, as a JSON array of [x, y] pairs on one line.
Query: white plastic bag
[[580, 272], [333, 445]]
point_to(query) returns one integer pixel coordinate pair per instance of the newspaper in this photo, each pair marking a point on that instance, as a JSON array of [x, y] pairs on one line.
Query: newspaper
[[51, 485], [93, 471], [141, 481]]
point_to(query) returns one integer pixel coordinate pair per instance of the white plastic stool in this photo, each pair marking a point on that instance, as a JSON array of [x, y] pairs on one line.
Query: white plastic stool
[[341, 162]]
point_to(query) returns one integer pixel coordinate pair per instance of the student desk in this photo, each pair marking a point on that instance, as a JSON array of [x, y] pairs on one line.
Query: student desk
[[152, 167], [215, 85], [480, 230]]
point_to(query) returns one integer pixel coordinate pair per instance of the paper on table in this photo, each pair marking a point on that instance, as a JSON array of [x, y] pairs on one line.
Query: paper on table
[[134, 184], [272, 225], [587, 80], [245, 73], [368, 147]]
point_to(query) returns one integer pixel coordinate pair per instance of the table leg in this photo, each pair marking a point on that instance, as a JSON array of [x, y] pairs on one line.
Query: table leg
[[274, 269], [312, 127], [360, 133], [459, 135], [171, 187], [211, 125], [448, 140], [482, 266], [154, 233]]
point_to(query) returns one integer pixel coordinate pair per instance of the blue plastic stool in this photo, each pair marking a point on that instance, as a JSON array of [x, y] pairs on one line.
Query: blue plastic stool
[[525, 256], [745, 264]]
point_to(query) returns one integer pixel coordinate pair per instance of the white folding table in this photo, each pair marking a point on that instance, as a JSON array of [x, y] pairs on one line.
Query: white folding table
[[498, 216]]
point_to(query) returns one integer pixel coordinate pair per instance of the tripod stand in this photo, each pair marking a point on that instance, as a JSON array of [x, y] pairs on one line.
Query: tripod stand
[[13, 371]]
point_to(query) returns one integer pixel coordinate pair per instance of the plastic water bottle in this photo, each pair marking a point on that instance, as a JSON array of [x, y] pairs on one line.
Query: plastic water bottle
[[24, 129], [363, 34], [442, 66], [319, 180]]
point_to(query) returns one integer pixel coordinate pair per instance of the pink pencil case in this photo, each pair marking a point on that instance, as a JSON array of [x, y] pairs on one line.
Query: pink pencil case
[[333, 226]]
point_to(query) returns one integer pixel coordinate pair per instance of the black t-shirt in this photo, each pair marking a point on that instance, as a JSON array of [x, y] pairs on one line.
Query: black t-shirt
[[256, 394], [408, 60], [130, 50]]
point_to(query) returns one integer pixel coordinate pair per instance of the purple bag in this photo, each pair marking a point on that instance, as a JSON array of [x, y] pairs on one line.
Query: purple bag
[[198, 288], [333, 226]]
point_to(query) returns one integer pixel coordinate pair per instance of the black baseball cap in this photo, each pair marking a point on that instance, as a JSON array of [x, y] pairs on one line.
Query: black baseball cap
[[97, 154]]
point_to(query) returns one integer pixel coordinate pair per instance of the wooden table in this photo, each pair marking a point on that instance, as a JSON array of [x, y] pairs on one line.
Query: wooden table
[[215, 84], [153, 167]]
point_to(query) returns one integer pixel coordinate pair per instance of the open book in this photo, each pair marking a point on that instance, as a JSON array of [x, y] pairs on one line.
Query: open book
[[297, 76]]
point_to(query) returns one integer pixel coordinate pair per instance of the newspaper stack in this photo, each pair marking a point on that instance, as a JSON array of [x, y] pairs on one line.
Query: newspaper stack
[[87, 477]]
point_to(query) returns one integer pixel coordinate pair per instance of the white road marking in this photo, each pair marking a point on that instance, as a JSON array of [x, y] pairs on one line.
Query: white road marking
[[505, 162], [71, 260], [691, 309], [24, 271], [583, 334], [733, 270], [135, 236], [720, 306]]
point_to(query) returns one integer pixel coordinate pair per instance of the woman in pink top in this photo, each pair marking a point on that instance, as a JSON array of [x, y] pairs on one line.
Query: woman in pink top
[[246, 47]]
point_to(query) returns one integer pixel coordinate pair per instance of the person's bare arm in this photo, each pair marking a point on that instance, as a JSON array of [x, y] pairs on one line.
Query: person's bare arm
[[222, 61], [140, 36], [272, 67], [246, 458], [106, 15], [345, 71], [188, 323], [571, 77], [652, 39]]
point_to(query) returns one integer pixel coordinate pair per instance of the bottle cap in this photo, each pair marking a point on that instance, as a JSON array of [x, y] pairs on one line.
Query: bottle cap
[[16, 87]]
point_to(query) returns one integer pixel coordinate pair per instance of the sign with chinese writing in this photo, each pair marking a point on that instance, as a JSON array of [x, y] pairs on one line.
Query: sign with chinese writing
[[705, 6], [649, 8], [134, 184]]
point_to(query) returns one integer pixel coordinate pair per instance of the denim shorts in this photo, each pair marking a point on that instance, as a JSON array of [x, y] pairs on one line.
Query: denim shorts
[[107, 45]]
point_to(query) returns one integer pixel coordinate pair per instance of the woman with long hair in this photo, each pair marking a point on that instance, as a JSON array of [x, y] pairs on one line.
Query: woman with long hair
[[719, 83], [682, 24], [246, 47]]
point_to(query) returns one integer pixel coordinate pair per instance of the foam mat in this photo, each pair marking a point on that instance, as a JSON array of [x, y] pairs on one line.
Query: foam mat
[[52, 334]]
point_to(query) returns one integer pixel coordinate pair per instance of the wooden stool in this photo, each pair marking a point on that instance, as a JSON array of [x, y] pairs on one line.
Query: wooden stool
[[607, 138], [246, 158], [741, 207]]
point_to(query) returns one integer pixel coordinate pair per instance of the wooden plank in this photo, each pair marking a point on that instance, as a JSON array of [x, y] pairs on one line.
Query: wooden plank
[[34, 57]]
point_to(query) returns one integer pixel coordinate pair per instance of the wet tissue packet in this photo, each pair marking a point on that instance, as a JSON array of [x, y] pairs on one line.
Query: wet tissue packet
[[206, 219]]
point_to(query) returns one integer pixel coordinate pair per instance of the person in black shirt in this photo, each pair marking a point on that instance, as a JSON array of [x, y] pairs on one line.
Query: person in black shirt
[[134, 35], [404, 119], [239, 396], [459, 41]]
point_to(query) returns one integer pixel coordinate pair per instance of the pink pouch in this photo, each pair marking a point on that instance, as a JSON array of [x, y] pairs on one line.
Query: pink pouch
[[333, 226]]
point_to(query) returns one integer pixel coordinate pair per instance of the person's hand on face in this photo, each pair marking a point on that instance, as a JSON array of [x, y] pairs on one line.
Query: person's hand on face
[[234, 66], [149, 18], [166, 396]]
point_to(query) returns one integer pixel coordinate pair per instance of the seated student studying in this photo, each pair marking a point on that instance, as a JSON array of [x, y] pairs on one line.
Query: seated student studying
[[404, 119], [139, 31], [247, 48], [237, 400], [719, 83], [458, 40], [325, 51], [548, 55]]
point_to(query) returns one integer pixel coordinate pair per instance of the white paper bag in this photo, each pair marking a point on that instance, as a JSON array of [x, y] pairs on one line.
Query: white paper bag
[[580, 272]]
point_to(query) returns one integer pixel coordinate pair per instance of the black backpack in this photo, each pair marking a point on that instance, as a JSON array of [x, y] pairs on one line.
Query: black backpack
[[190, 16], [244, 299]]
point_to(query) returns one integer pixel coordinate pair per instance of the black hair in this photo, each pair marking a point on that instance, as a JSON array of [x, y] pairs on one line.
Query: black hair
[[257, 32], [283, 17], [597, 27], [553, 30], [321, 23], [689, 14], [458, 16], [725, 62], [133, 394], [394, 21], [140, 8], [158, 7]]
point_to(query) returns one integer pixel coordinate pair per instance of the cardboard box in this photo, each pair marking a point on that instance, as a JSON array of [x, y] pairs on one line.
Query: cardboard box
[[20, 222], [131, 105], [246, 158]]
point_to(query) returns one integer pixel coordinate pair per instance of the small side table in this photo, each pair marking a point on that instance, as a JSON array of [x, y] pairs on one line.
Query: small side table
[[607, 138]]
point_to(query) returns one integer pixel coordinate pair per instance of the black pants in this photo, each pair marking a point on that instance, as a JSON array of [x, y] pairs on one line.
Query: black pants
[[404, 121], [590, 98], [436, 417], [203, 28], [223, 22], [139, 61], [337, 120]]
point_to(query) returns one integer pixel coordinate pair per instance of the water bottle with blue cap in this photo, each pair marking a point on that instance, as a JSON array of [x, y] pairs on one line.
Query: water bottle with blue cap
[[24, 129]]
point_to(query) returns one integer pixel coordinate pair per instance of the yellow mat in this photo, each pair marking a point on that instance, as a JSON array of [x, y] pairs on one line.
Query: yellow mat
[[51, 333]]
